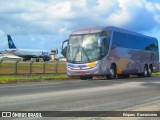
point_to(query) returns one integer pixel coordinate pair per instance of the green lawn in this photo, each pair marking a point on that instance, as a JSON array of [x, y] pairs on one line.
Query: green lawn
[[158, 73], [28, 78]]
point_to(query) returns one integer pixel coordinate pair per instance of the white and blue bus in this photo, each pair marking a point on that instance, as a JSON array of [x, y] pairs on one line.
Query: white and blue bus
[[110, 51]]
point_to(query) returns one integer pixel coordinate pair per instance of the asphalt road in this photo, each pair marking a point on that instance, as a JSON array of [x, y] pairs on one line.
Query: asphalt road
[[79, 95]]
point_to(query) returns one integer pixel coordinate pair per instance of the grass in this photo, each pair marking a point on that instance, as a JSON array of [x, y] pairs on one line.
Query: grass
[[28, 78], [158, 73]]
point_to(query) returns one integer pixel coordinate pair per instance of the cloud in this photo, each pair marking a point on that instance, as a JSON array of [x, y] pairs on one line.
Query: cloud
[[155, 10], [54, 17], [51, 21], [133, 15], [3, 40]]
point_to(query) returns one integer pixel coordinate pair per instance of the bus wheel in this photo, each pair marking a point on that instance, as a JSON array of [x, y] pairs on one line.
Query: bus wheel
[[149, 72], [112, 72], [145, 72]]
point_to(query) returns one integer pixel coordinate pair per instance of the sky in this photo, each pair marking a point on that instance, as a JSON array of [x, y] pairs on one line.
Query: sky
[[44, 24]]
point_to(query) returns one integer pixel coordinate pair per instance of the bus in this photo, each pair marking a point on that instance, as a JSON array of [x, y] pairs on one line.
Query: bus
[[110, 51]]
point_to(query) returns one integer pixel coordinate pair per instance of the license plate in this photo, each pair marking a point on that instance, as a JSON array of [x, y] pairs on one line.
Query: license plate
[[81, 73]]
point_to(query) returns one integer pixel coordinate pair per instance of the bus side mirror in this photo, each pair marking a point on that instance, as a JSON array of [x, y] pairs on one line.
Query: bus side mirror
[[100, 41], [64, 48]]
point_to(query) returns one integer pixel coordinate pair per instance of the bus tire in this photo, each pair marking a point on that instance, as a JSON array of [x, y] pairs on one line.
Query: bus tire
[[112, 72], [145, 71], [149, 72]]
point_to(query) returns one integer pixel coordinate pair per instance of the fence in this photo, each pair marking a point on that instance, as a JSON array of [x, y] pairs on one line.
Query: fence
[[31, 67]]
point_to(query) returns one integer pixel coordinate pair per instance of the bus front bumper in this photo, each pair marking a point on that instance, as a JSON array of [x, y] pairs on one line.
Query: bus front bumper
[[83, 71]]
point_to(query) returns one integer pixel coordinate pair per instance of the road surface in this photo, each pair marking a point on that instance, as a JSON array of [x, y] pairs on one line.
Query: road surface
[[78, 95]]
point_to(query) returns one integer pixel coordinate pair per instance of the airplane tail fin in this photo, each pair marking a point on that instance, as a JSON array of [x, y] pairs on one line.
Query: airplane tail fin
[[11, 44]]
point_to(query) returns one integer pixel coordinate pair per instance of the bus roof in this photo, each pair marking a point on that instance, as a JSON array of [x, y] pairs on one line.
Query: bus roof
[[104, 28]]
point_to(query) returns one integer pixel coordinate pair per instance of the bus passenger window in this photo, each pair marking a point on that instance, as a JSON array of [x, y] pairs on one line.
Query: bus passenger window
[[103, 47], [107, 44]]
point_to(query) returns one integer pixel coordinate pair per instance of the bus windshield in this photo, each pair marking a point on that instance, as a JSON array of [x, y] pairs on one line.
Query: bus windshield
[[83, 48]]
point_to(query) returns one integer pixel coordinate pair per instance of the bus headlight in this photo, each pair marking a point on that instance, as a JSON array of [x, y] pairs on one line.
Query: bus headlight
[[92, 64]]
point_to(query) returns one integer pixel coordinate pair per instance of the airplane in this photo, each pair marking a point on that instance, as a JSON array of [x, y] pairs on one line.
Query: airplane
[[27, 54]]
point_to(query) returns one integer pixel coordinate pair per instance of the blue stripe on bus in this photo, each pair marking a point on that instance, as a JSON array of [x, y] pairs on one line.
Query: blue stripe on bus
[[85, 65], [75, 65], [71, 65]]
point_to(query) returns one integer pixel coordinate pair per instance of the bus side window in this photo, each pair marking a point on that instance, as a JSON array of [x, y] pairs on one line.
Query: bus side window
[[103, 47], [107, 44]]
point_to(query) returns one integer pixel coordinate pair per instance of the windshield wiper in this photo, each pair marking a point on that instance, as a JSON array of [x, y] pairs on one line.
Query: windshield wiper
[[76, 54], [86, 54]]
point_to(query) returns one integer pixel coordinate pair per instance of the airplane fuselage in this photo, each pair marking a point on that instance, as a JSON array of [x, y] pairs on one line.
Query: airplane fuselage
[[29, 53]]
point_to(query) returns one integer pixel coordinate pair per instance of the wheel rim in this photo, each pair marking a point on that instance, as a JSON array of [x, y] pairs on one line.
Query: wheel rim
[[112, 73], [149, 72], [145, 72]]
